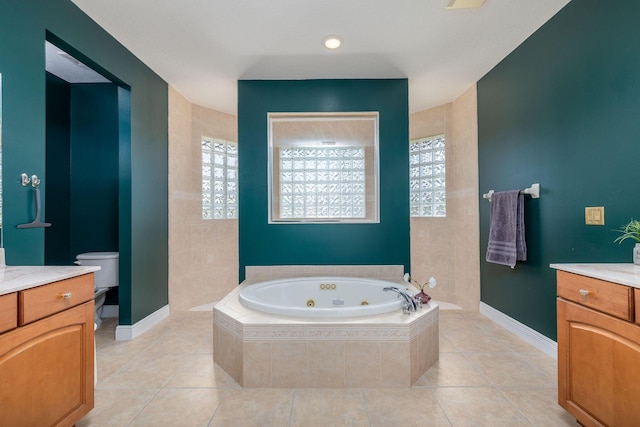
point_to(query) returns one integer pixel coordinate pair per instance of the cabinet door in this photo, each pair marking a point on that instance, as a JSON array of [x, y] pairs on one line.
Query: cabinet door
[[598, 366], [46, 370]]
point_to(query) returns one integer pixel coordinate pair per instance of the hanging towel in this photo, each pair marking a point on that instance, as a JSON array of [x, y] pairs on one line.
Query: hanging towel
[[506, 229]]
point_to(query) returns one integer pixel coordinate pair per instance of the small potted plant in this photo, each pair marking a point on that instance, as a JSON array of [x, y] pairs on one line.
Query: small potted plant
[[631, 231], [421, 296]]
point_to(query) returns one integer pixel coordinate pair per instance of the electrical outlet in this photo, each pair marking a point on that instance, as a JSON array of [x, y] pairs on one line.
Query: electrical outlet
[[594, 215]]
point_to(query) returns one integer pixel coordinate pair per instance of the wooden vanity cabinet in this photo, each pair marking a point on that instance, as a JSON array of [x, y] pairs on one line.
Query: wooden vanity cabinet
[[598, 351], [8, 311], [46, 362]]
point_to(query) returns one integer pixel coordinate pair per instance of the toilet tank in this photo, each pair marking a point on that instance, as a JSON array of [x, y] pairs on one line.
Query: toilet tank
[[107, 276]]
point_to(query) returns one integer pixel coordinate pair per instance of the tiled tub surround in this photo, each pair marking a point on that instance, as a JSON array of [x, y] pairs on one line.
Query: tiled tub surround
[[264, 350]]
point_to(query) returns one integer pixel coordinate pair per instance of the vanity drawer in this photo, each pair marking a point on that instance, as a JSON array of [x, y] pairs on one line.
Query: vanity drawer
[[42, 301], [8, 311], [608, 297]]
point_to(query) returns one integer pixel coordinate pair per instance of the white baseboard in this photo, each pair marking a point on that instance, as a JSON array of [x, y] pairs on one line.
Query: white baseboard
[[129, 332], [110, 311], [535, 338]]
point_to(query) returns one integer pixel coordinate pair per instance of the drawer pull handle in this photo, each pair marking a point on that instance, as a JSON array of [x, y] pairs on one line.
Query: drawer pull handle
[[584, 292], [66, 295]]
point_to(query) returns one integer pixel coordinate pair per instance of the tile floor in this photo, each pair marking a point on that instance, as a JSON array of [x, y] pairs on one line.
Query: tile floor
[[485, 377]]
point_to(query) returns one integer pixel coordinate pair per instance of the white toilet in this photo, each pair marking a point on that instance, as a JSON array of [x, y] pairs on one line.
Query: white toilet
[[105, 279]]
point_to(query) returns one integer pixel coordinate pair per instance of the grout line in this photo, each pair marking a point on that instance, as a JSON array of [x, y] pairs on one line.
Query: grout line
[[366, 406], [215, 411], [435, 397], [517, 408], [144, 407], [293, 401]]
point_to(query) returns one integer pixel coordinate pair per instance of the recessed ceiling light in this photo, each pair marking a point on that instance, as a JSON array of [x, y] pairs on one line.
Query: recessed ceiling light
[[464, 4], [332, 42]]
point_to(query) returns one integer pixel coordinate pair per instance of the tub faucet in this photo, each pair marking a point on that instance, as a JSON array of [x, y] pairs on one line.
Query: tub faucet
[[409, 303]]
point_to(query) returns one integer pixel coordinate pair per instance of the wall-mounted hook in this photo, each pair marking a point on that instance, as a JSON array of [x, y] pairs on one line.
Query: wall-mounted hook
[[34, 180], [35, 183]]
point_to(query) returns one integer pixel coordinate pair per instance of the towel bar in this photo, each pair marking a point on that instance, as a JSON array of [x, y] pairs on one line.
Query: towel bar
[[533, 191]]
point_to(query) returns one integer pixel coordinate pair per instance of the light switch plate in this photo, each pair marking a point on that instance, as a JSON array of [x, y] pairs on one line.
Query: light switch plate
[[594, 215]]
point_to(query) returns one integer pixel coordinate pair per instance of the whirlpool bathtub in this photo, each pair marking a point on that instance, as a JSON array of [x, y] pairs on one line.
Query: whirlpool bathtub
[[327, 331], [325, 297]]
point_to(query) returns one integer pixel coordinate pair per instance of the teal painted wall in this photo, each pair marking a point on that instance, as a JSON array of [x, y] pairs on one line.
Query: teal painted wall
[[58, 158], [562, 110], [83, 211], [323, 244], [143, 184], [94, 168]]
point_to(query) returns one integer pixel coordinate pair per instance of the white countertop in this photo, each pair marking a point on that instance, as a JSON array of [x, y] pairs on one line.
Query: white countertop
[[624, 274], [19, 278]]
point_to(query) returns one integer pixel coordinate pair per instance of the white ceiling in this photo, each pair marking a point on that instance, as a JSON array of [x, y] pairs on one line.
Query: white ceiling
[[202, 47]]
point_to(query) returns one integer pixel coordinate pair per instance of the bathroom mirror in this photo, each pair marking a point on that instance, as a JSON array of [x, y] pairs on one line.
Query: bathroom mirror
[[323, 167]]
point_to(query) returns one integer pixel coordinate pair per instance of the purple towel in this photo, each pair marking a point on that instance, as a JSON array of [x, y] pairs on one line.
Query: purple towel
[[506, 229]]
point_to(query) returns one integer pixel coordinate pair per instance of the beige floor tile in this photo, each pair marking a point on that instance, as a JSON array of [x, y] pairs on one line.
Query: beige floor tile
[[182, 407], [149, 370], [199, 370], [515, 343], [445, 345], [453, 369], [115, 408], [329, 407], [540, 406], [482, 322], [206, 346], [190, 320], [254, 407], [405, 407], [539, 360], [478, 407], [179, 341], [485, 376], [454, 319], [109, 323], [508, 370], [107, 342], [474, 340], [109, 362]]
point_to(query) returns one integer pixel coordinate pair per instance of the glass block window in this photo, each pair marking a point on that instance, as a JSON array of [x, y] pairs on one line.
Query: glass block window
[[427, 186], [322, 182], [219, 179]]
